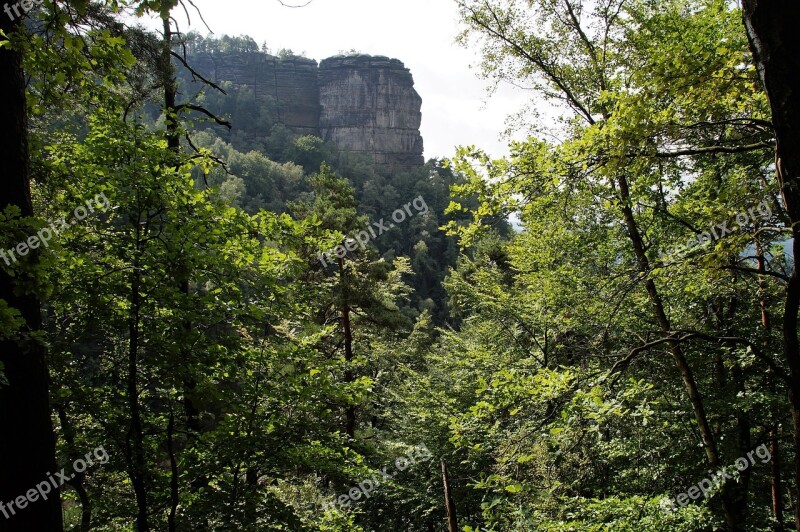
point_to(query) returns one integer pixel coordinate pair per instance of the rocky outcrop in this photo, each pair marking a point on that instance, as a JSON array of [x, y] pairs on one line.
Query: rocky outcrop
[[369, 105], [294, 84], [286, 88], [361, 103]]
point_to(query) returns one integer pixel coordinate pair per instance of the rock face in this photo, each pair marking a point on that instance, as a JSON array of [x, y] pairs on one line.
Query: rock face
[[294, 84], [369, 105], [361, 103], [287, 88]]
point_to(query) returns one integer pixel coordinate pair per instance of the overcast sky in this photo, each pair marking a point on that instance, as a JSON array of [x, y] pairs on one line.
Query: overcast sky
[[421, 33]]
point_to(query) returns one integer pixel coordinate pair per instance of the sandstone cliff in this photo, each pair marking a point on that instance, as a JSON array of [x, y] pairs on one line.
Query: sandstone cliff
[[361, 103], [369, 105]]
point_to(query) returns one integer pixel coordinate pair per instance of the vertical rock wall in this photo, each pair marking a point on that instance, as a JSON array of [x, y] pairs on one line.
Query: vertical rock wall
[[287, 87], [296, 89], [364, 104], [369, 105]]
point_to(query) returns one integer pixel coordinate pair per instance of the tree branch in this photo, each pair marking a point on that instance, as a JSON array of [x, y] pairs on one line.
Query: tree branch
[[196, 74], [206, 112], [705, 150], [753, 122], [782, 277], [537, 61], [674, 337]]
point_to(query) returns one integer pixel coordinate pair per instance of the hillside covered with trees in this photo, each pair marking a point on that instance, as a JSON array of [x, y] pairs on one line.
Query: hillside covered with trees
[[212, 319]]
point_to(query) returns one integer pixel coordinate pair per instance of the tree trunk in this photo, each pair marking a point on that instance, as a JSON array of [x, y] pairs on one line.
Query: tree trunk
[[678, 356], [174, 493], [774, 447], [350, 422], [27, 446], [77, 483], [135, 438], [775, 478], [452, 520], [740, 490], [774, 41]]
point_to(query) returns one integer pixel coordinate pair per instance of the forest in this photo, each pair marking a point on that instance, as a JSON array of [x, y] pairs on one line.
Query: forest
[[210, 322]]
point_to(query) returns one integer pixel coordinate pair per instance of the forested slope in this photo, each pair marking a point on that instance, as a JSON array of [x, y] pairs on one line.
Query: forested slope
[[248, 328]]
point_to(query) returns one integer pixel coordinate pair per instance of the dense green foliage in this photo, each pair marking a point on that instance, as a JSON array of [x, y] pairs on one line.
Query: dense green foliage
[[579, 372]]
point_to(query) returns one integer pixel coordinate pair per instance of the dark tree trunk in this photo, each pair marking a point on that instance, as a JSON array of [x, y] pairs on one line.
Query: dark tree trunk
[[182, 279], [740, 490], [77, 483], [347, 326], [174, 494], [450, 506], [135, 439], [27, 446], [774, 39], [775, 478], [774, 447]]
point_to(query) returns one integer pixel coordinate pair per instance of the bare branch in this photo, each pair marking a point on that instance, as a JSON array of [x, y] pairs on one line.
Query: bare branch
[[672, 216], [196, 74], [621, 365], [675, 338], [204, 111], [199, 13]]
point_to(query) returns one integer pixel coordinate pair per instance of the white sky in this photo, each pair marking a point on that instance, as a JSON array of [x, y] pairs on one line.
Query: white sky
[[421, 33]]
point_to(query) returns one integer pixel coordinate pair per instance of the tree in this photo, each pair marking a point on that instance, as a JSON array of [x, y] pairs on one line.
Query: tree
[[632, 131], [773, 40], [29, 447], [365, 290]]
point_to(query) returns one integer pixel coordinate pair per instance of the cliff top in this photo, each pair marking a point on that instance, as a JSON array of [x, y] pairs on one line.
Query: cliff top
[[362, 61]]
